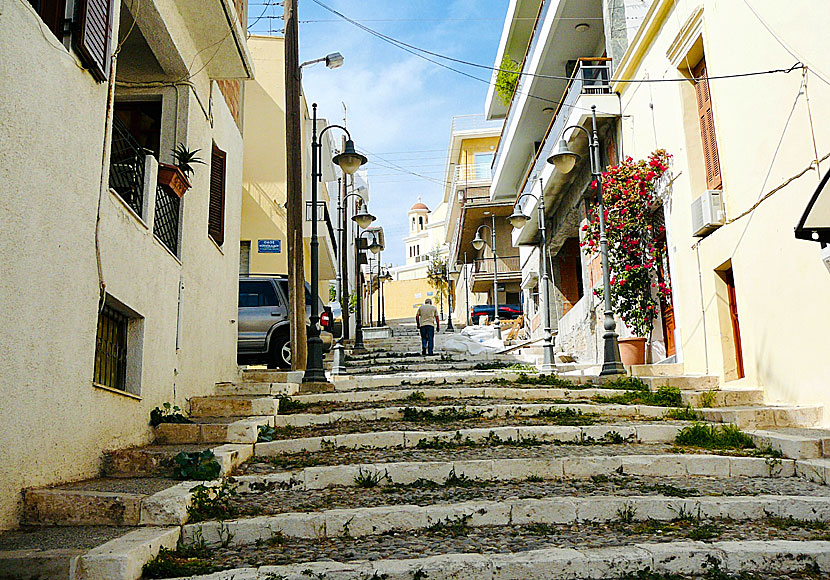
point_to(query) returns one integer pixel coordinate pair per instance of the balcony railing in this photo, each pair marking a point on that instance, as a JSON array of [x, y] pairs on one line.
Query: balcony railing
[[472, 172], [591, 77], [508, 265], [127, 167], [473, 123], [166, 220]]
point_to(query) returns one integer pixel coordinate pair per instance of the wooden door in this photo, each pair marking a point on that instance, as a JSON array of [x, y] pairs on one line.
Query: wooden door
[[733, 315]]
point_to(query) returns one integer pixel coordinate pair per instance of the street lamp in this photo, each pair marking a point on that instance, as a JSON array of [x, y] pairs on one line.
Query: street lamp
[[452, 274], [458, 266], [363, 219], [564, 159], [349, 161], [478, 244], [373, 247], [518, 219], [386, 277]]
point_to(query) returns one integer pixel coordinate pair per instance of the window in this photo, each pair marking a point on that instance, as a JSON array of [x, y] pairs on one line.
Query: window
[[244, 257], [53, 14], [95, 35], [142, 120], [482, 161], [254, 294], [216, 212], [707, 127], [118, 347]]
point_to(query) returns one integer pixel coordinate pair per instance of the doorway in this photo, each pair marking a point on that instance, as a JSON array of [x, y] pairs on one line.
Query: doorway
[[730, 327]]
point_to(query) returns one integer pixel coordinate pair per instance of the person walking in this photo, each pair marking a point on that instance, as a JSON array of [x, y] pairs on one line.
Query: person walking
[[426, 319]]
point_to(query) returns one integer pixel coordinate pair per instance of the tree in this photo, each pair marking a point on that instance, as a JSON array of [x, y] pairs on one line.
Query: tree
[[438, 275]]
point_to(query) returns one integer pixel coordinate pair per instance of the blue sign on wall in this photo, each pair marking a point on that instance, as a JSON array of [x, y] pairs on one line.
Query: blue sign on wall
[[269, 246]]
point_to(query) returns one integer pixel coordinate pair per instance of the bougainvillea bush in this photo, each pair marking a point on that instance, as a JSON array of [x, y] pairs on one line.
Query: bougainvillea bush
[[636, 246]]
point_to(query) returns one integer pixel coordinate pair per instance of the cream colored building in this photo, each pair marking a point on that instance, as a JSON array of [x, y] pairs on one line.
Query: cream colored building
[[92, 244], [750, 301], [263, 247]]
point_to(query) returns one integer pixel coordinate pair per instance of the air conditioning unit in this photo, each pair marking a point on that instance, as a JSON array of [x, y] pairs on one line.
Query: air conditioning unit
[[707, 212]]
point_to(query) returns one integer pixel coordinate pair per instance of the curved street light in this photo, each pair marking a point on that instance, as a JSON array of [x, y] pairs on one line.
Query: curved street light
[[564, 159], [478, 243], [518, 220], [349, 162]]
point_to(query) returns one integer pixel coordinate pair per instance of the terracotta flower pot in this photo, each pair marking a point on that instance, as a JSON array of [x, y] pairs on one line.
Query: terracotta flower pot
[[172, 180], [632, 350]]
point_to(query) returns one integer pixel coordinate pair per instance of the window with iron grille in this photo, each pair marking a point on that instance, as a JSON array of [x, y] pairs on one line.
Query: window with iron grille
[[166, 222], [111, 349], [127, 167]]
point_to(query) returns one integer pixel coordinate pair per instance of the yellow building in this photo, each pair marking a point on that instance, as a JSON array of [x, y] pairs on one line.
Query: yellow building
[[263, 241]]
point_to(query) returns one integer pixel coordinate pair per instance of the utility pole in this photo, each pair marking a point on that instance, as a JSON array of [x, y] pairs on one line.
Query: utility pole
[[294, 188]]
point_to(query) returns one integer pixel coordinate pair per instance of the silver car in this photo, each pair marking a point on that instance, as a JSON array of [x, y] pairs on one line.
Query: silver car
[[263, 334]]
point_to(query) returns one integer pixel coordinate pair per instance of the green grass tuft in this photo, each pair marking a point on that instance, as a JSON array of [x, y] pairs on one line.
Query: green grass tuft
[[714, 437]]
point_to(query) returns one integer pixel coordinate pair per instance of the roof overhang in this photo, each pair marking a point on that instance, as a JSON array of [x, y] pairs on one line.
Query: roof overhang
[[219, 36], [474, 215]]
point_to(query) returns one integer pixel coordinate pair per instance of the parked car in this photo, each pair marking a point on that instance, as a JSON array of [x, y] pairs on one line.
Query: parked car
[[506, 312], [263, 335]]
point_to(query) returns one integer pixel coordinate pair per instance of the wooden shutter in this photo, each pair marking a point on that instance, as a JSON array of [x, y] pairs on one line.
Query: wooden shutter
[[95, 37], [707, 127], [216, 212]]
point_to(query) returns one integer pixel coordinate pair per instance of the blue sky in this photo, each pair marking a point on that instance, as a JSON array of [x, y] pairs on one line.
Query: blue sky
[[399, 107]]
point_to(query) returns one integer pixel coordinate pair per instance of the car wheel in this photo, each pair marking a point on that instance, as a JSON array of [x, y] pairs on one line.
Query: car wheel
[[279, 355]]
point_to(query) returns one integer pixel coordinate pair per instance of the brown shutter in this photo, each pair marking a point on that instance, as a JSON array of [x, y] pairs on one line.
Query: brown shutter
[[707, 127], [216, 211], [95, 38]]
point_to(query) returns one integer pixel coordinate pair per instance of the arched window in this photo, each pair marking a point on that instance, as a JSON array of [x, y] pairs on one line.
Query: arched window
[[413, 224], [420, 223]]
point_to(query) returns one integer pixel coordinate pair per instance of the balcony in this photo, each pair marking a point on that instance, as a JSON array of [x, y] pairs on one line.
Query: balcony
[[509, 270]]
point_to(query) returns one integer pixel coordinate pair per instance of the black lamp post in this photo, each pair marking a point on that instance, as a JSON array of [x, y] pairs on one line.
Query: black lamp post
[[349, 161], [478, 244], [373, 247], [452, 275], [518, 219], [386, 277], [564, 159], [363, 219]]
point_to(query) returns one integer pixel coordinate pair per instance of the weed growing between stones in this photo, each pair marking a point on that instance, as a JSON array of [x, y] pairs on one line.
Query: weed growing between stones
[[212, 503], [167, 413], [448, 415], [626, 514], [663, 397], [503, 365], [708, 399], [369, 478], [183, 561], [294, 461], [451, 525], [670, 490], [267, 433], [683, 414], [289, 406], [416, 397], [198, 465], [567, 416], [704, 532], [791, 522], [714, 437], [546, 380]]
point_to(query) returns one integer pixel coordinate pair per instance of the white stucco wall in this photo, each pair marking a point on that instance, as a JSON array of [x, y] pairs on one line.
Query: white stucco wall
[[781, 284], [52, 117]]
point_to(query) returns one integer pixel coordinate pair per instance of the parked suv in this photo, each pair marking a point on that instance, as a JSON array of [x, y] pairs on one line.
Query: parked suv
[[506, 312], [263, 335]]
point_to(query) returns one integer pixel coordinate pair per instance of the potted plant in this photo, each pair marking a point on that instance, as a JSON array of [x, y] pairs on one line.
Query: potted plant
[[175, 179], [636, 247]]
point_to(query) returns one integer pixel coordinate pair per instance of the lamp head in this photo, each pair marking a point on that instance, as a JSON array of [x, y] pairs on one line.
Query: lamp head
[[454, 273], [478, 243], [334, 60], [375, 247], [563, 158], [517, 219], [363, 218], [350, 160]]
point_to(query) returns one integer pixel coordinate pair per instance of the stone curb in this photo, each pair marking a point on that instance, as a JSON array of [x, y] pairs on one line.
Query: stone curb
[[775, 556], [647, 433], [561, 510], [575, 467], [252, 388], [244, 430], [124, 557]]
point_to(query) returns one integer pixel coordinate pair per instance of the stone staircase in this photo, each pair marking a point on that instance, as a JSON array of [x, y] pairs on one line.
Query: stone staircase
[[444, 469]]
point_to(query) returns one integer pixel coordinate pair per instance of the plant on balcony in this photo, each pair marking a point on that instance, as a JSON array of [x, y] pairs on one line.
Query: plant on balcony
[[636, 246], [175, 179], [507, 79]]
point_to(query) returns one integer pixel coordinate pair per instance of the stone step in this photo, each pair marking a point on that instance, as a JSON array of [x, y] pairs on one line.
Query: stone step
[[775, 557], [578, 392], [638, 432], [560, 510], [762, 417], [428, 365], [109, 502], [797, 443], [257, 388], [233, 406], [518, 469], [261, 375], [416, 356], [212, 430], [656, 370], [394, 413], [157, 460]]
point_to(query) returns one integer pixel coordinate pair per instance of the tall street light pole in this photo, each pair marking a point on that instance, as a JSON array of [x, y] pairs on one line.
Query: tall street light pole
[[363, 219], [518, 219], [373, 247], [478, 244], [564, 159], [349, 161]]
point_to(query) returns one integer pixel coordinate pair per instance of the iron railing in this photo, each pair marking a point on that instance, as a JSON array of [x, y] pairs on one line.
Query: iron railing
[[508, 265], [111, 349], [127, 167], [166, 222]]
